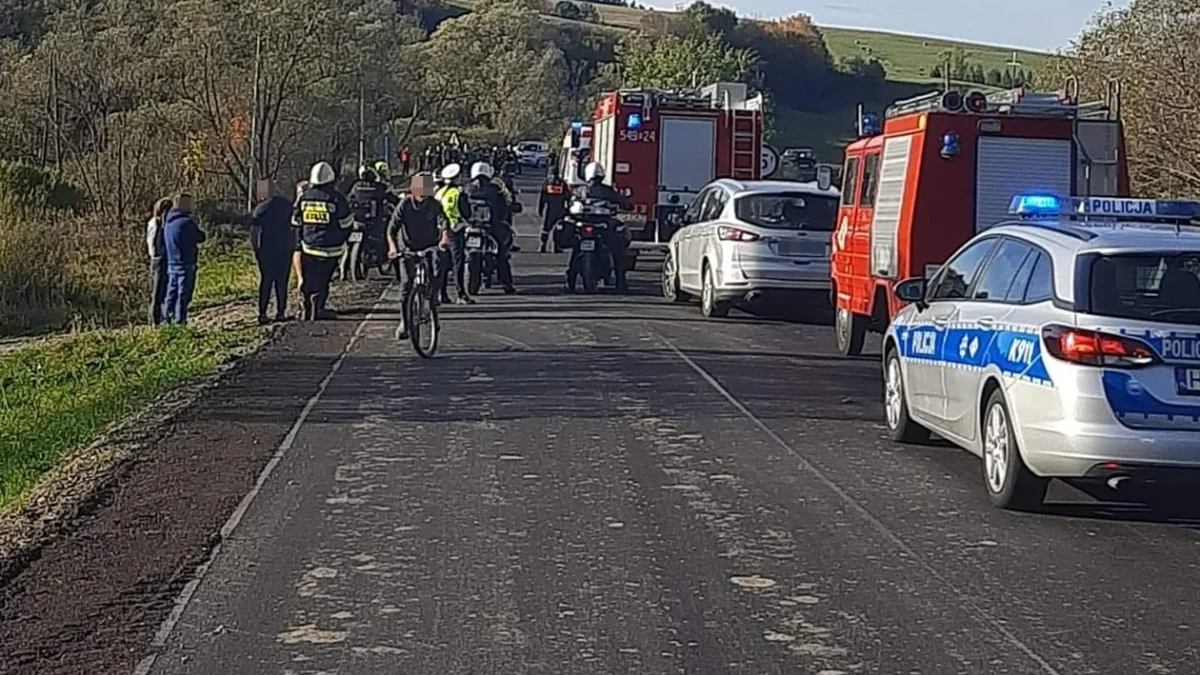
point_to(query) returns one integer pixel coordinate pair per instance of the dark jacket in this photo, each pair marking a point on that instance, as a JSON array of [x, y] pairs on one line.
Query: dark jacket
[[368, 201], [415, 225], [483, 190], [598, 190], [182, 238], [273, 219], [552, 203], [324, 218]]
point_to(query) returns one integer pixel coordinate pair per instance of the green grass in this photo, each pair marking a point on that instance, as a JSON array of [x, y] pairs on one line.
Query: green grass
[[910, 58], [60, 396], [226, 276]]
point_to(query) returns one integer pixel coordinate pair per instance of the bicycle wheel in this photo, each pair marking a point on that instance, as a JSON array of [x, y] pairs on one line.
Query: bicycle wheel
[[423, 325]]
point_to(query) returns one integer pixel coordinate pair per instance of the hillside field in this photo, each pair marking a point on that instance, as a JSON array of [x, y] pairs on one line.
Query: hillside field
[[907, 58]]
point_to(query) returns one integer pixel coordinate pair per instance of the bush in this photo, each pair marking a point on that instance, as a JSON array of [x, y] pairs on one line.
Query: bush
[[27, 186]]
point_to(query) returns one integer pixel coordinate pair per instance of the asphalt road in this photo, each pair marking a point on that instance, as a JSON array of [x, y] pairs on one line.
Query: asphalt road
[[603, 484]]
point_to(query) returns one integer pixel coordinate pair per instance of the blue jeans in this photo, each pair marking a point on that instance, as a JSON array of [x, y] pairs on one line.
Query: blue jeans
[[181, 282]]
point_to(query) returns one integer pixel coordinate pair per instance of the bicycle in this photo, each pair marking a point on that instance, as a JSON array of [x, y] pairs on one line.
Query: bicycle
[[420, 307]]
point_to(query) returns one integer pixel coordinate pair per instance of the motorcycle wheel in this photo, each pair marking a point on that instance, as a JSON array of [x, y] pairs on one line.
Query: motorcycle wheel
[[587, 270], [354, 265], [474, 272]]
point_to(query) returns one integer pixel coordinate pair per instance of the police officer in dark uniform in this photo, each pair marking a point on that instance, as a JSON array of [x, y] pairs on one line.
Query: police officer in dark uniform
[[552, 205], [618, 242], [324, 218], [371, 202], [482, 189]]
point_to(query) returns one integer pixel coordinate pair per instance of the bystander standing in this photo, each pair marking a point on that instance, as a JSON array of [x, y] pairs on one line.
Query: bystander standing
[[156, 247], [182, 239]]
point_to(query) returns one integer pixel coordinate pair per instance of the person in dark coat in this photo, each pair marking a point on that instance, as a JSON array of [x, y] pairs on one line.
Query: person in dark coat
[[552, 204], [273, 241], [182, 238]]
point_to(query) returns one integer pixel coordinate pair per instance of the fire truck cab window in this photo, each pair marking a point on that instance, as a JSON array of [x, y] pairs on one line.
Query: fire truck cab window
[[1002, 271], [870, 181], [956, 277], [849, 181]]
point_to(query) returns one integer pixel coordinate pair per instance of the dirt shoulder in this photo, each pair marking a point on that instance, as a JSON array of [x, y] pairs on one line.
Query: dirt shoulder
[[93, 563]]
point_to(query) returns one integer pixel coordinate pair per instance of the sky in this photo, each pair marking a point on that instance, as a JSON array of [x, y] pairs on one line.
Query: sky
[[1043, 25]]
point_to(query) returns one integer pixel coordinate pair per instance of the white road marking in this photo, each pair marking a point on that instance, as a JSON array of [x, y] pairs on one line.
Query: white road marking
[[862, 511], [185, 596]]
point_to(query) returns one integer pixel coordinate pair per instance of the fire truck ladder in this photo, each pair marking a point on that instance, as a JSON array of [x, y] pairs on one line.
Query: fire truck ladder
[[1019, 101], [746, 154]]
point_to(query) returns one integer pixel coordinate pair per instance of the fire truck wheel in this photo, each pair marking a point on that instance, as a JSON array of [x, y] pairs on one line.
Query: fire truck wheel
[[901, 427], [670, 280], [851, 331], [709, 305]]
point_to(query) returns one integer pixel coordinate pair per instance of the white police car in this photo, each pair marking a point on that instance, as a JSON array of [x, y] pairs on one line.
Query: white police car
[[1062, 344]]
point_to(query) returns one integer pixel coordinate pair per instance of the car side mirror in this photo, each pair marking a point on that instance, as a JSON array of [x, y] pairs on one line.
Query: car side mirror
[[824, 177], [912, 290]]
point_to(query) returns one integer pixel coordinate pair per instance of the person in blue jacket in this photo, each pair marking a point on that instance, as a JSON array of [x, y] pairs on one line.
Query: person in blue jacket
[[182, 239]]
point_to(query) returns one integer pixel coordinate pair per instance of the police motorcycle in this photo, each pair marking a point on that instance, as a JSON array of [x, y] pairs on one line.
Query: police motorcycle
[[367, 245], [480, 246], [585, 232]]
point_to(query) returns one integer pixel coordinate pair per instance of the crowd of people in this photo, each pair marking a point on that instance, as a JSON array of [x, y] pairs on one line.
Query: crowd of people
[[308, 235]]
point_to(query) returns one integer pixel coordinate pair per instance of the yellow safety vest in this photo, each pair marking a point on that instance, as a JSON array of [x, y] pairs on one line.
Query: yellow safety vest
[[448, 196]]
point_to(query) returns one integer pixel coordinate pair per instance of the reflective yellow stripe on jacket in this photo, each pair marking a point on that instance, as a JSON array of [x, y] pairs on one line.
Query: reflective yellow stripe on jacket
[[448, 197]]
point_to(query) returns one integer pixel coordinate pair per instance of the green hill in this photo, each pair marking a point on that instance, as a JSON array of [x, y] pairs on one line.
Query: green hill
[[908, 59]]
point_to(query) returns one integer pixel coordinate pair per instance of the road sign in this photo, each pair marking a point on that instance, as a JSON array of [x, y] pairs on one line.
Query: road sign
[[454, 139], [770, 161]]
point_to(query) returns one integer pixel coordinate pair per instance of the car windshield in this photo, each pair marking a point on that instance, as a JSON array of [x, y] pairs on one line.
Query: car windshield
[[1162, 287], [789, 211], [529, 147]]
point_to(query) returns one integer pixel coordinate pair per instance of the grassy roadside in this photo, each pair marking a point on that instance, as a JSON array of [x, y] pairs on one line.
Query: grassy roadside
[[61, 395]]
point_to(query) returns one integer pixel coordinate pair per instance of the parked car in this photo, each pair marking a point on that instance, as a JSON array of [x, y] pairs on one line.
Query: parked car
[[743, 241], [533, 153]]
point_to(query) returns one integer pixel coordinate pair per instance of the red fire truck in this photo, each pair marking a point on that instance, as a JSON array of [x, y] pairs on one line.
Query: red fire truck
[[946, 166], [661, 148]]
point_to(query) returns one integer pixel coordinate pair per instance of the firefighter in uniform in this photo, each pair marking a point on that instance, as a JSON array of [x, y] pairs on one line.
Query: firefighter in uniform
[[552, 205], [456, 211], [325, 220]]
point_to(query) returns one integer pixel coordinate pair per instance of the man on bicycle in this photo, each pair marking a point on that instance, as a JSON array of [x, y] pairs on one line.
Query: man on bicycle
[[416, 226]]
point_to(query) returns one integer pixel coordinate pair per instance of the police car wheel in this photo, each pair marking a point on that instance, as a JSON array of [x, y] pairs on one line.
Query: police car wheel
[[1010, 484], [850, 331], [901, 427]]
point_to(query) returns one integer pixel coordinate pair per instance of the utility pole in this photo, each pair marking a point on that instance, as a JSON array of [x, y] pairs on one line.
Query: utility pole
[[362, 119], [253, 160], [55, 112]]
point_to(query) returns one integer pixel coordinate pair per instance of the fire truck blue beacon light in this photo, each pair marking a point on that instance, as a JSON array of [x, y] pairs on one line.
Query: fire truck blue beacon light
[[950, 145], [577, 125], [634, 121]]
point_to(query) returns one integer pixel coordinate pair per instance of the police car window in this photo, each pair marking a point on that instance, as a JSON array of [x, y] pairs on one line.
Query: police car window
[[957, 275], [849, 181], [1041, 280], [789, 211], [1016, 292], [1001, 271], [1163, 287], [870, 180]]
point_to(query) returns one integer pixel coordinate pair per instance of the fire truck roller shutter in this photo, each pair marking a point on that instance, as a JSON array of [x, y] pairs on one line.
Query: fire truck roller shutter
[[1011, 166], [686, 157], [889, 198]]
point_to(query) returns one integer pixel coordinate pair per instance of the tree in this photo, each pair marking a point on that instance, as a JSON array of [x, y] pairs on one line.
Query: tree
[[678, 63], [1149, 47], [994, 77], [701, 19], [792, 58]]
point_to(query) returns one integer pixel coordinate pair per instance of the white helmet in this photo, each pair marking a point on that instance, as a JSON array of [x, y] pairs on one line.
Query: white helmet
[[593, 171], [481, 169], [322, 174], [364, 171], [451, 171]]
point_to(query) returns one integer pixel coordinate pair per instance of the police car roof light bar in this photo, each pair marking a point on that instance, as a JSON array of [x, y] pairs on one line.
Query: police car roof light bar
[[1035, 206]]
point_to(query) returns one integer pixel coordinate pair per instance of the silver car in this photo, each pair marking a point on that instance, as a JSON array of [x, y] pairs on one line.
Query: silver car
[[1055, 348], [746, 240]]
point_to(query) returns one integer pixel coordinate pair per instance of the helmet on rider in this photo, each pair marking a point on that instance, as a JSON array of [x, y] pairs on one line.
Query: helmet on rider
[[365, 173], [382, 170], [481, 169], [450, 172], [321, 174], [593, 172]]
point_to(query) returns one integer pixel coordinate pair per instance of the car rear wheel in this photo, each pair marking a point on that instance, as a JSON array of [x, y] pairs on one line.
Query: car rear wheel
[[1010, 484], [850, 331], [901, 427], [670, 280], [709, 305]]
